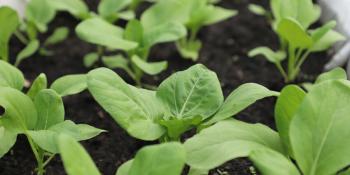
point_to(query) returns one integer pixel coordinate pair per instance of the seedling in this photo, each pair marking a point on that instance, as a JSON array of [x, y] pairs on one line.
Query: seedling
[[37, 15], [39, 115], [187, 99], [291, 21], [202, 13], [311, 127]]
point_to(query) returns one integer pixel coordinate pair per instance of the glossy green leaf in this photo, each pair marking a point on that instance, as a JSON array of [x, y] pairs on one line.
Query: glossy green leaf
[[330, 38], [124, 168], [292, 31], [28, 51], [90, 59], [40, 12], [228, 140], [134, 31], [176, 127], [136, 110], [151, 160], [75, 7], [242, 97], [75, 159], [286, 106], [218, 14], [334, 74], [270, 55], [9, 22], [70, 84], [10, 76], [110, 7], [319, 127], [152, 68], [270, 162], [39, 84], [8, 139], [98, 31], [49, 106], [189, 49], [58, 35], [182, 93], [170, 31]]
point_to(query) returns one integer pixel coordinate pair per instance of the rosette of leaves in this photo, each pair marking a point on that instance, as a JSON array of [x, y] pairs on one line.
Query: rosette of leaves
[[291, 22], [310, 139], [187, 99], [38, 114]]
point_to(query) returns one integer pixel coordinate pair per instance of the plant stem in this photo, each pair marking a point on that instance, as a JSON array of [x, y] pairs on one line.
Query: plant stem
[[38, 156], [280, 68], [21, 37]]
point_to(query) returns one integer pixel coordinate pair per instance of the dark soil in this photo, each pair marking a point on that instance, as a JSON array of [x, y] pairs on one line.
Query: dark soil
[[225, 51]]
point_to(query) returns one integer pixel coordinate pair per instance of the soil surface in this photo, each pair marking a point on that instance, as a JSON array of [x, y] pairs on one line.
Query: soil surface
[[225, 51]]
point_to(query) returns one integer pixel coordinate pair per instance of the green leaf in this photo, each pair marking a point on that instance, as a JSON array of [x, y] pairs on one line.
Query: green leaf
[[136, 110], [151, 160], [335, 74], [189, 49], [20, 114], [319, 127], [153, 68], [134, 31], [286, 106], [242, 97], [39, 84], [70, 84], [40, 12], [28, 51], [9, 22], [8, 139], [321, 31], [107, 8], [182, 93], [292, 31], [227, 140], [124, 168], [176, 127], [50, 109], [75, 7], [308, 13], [75, 159], [47, 139], [257, 9], [118, 61], [218, 14], [58, 35], [90, 59], [270, 55], [327, 41], [270, 162], [167, 32], [98, 31], [10, 76]]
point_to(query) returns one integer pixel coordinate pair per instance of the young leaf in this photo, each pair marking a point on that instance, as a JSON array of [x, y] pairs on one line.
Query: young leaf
[[189, 49], [10, 76], [8, 139], [9, 22], [176, 127], [270, 55], [257, 9], [264, 158], [150, 68], [227, 140], [40, 12], [39, 84], [182, 93], [151, 160], [293, 32], [286, 106], [75, 7], [75, 159], [60, 34], [170, 31], [28, 51], [50, 109], [334, 74], [90, 59], [319, 127], [327, 41], [239, 99], [118, 61], [136, 110], [107, 8], [70, 84], [218, 14], [98, 31], [124, 168], [134, 31]]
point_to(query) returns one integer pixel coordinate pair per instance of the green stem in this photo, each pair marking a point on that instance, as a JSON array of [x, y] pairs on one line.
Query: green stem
[[48, 160], [300, 62], [38, 156], [291, 62], [21, 37], [280, 68]]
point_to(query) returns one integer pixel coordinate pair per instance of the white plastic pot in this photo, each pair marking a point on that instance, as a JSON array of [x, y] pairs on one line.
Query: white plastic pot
[[338, 10], [18, 5]]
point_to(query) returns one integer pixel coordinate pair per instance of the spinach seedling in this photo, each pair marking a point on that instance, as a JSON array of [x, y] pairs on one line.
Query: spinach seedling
[[291, 21], [39, 115], [311, 127], [202, 13], [77, 161], [160, 23], [186, 100], [38, 14]]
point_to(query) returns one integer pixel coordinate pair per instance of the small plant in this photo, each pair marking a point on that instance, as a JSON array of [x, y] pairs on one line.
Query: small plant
[[202, 13], [291, 21], [38, 114], [311, 127], [186, 100], [38, 14]]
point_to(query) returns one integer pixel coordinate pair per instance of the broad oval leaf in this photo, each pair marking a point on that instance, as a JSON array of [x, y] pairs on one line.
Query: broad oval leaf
[[167, 32], [136, 110], [39, 84], [70, 84], [319, 127], [191, 93], [110, 7], [40, 12], [153, 68], [334, 74], [9, 22], [227, 140], [8, 139], [10, 76], [75, 7], [124, 168]]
